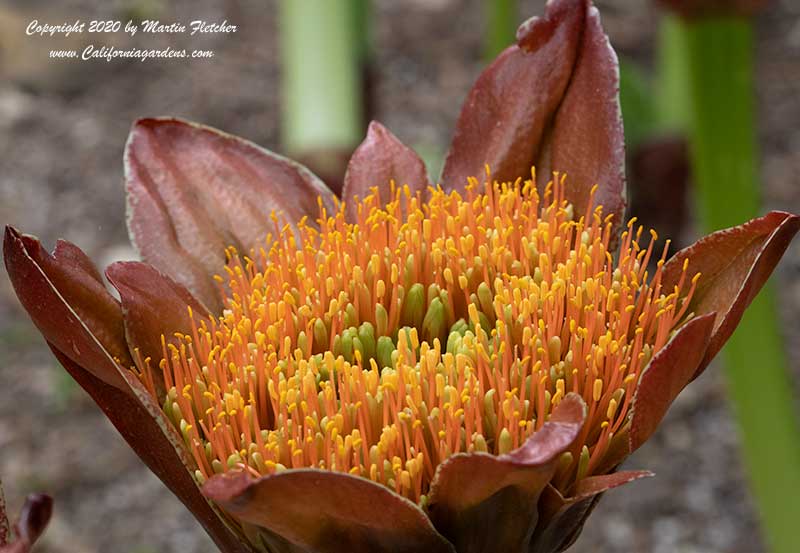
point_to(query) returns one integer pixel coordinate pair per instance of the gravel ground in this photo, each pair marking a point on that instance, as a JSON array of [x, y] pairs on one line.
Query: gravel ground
[[62, 131]]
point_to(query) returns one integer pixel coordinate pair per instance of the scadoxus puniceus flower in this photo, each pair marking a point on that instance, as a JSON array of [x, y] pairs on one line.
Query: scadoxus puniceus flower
[[384, 347], [454, 368]]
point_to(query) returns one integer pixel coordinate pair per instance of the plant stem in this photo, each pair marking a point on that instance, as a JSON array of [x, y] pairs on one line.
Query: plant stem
[[719, 60], [638, 107], [673, 104], [321, 48], [501, 26], [720, 63]]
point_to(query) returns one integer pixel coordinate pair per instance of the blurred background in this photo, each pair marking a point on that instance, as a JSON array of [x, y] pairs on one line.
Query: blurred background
[[63, 126]]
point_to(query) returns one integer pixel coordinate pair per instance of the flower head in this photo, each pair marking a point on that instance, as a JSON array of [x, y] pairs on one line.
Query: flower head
[[415, 368], [383, 347]]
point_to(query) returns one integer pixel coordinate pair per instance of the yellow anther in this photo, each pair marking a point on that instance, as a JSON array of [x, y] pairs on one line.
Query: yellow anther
[[597, 391]]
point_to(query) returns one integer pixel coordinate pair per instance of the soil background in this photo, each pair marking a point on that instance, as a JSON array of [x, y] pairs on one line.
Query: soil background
[[63, 126]]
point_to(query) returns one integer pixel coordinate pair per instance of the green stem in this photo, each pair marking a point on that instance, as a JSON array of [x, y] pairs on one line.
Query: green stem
[[501, 26], [321, 49], [361, 12], [673, 105], [719, 61], [720, 64], [639, 111]]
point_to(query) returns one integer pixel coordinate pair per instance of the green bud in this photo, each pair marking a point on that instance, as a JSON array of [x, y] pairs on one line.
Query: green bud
[[485, 324], [302, 343], [508, 313], [460, 326], [647, 352], [321, 341], [185, 433], [258, 460], [366, 334], [350, 316], [504, 443], [583, 464], [479, 443], [409, 270], [381, 320], [414, 306], [434, 324], [384, 352], [167, 407], [445, 297], [547, 398], [564, 462], [176, 412], [337, 345], [347, 345], [486, 298], [488, 408], [533, 252], [433, 292], [233, 460], [453, 342], [282, 366]]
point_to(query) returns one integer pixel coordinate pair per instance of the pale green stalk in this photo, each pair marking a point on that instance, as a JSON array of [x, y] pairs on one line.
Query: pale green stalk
[[714, 60], [501, 26], [321, 49]]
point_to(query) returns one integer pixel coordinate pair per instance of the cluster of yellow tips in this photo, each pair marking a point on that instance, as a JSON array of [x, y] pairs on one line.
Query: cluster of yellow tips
[[426, 329]]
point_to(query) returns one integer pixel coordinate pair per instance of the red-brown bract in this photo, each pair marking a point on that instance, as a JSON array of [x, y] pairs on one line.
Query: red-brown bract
[[497, 474], [28, 528]]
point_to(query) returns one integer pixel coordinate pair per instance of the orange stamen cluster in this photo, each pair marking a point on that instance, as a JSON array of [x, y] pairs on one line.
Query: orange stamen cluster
[[381, 348]]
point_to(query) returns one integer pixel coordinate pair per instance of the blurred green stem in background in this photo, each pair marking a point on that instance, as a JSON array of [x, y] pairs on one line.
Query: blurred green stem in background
[[501, 26], [322, 47], [673, 103], [638, 108], [712, 59]]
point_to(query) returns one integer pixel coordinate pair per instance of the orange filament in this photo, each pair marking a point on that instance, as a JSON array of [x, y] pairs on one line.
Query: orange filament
[[381, 348]]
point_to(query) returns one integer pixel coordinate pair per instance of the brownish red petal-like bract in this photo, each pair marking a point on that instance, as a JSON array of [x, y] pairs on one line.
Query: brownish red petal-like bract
[[29, 527], [338, 512], [498, 510], [194, 191], [61, 311], [549, 101], [697, 9], [381, 159]]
